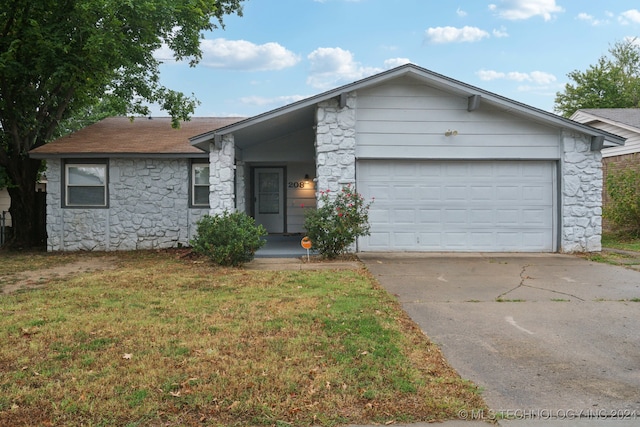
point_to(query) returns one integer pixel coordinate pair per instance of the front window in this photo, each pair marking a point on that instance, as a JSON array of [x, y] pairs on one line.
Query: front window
[[86, 185], [200, 184]]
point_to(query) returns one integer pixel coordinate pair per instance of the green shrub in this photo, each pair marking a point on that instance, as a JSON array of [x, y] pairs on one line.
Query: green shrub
[[337, 222], [230, 239], [623, 206]]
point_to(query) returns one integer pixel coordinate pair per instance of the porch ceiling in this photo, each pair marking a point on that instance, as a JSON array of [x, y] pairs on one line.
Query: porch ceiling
[[274, 127]]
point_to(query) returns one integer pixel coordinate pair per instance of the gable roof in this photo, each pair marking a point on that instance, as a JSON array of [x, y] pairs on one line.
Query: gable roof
[[302, 113], [624, 117], [150, 137]]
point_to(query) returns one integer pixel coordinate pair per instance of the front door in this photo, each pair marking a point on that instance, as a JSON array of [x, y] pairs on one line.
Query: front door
[[269, 198]]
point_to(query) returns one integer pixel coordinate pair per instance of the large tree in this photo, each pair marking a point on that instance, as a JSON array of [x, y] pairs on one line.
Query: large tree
[[61, 57], [613, 82]]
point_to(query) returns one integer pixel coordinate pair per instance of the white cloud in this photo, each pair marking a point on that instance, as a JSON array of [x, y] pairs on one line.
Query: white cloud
[[163, 53], [395, 62], [455, 35], [515, 10], [487, 75], [631, 16], [536, 77], [239, 55], [332, 66], [585, 17], [244, 55], [542, 78], [500, 33], [277, 101], [461, 13], [590, 19]]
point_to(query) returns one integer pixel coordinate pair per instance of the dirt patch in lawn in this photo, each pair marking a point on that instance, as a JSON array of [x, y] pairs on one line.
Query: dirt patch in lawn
[[38, 278]]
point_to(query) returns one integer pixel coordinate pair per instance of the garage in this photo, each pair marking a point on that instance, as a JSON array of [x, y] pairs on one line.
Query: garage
[[466, 205]]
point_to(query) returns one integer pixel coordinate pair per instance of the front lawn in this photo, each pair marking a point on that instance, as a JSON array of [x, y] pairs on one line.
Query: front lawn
[[168, 340]]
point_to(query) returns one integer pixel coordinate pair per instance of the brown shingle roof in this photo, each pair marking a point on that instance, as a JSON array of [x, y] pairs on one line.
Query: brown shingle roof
[[120, 135]]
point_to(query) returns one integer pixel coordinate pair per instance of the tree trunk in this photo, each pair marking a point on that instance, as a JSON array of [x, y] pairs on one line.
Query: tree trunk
[[25, 215]]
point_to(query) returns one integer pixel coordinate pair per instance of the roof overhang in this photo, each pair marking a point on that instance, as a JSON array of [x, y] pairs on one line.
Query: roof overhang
[[293, 117], [592, 119]]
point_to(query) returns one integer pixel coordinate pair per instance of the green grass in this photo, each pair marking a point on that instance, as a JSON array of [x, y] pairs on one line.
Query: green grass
[[165, 340], [617, 242], [621, 241]]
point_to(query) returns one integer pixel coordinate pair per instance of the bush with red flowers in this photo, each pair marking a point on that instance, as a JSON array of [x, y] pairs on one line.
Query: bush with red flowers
[[337, 222]]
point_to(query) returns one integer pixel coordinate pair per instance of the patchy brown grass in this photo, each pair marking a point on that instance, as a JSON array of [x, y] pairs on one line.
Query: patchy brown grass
[[170, 340]]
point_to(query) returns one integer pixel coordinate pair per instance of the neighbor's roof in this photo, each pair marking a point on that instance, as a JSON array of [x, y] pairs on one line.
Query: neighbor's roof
[[143, 136], [623, 116]]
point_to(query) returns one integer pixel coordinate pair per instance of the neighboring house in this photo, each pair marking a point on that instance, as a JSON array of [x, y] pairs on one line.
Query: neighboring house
[[5, 203], [624, 122], [619, 121], [451, 167]]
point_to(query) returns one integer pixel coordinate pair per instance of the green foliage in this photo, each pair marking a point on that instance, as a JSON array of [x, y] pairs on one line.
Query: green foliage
[[59, 58], [623, 207], [230, 239], [4, 179], [337, 222], [614, 82]]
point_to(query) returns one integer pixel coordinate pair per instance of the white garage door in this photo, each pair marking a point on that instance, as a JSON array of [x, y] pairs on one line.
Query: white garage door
[[492, 206]]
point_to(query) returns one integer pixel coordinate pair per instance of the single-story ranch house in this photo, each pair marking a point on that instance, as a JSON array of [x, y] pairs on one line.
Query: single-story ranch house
[[451, 167]]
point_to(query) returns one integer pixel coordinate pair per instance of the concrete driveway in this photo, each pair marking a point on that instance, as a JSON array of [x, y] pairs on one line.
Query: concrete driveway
[[541, 332]]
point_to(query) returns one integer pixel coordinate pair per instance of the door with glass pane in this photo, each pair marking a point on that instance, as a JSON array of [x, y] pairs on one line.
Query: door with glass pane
[[269, 198]]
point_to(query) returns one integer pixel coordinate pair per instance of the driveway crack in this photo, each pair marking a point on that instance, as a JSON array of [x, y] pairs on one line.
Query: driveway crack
[[524, 277], [555, 292]]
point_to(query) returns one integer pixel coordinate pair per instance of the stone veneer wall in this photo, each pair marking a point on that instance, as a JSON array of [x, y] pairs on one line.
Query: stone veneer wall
[[148, 209], [581, 195], [221, 176], [336, 144]]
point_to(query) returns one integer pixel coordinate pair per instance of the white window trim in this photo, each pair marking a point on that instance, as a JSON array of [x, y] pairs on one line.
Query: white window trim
[[67, 184], [194, 165]]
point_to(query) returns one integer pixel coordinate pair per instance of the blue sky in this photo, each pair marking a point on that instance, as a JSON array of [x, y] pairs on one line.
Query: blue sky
[[281, 51]]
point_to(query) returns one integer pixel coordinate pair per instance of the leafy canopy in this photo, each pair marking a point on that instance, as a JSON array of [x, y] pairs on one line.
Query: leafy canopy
[[58, 56], [613, 82]]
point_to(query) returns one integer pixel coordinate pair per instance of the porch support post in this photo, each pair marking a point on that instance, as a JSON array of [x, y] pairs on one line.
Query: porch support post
[[336, 143], [221, 174], [581, 193], [241, 186]]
